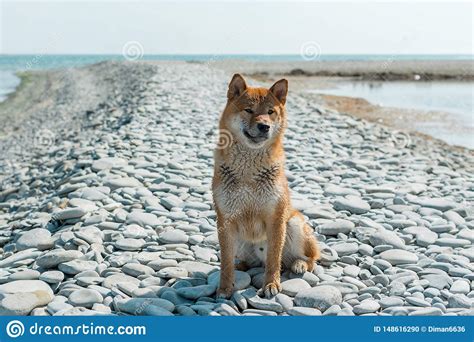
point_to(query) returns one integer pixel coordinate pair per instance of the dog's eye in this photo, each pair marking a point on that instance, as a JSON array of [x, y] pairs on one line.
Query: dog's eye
[[271, 111], [248, 110]]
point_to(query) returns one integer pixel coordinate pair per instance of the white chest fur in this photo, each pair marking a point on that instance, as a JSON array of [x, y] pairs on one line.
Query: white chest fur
[[247, 192]]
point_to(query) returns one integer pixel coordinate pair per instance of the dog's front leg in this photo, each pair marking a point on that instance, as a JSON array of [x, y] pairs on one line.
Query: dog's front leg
[[276, 233], [225, 234]]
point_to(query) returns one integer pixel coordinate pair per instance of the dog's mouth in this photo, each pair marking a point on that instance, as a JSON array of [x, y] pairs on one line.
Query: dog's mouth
[[257, 139]]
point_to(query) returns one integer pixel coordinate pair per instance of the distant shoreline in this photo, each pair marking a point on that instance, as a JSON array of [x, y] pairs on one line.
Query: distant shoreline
[[403, 119], [326, 75], [375, 67], [269, 71], [421, 68], [376, 70]]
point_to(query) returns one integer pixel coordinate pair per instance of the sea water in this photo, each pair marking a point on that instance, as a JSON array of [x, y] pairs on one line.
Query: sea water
[[453, 97]]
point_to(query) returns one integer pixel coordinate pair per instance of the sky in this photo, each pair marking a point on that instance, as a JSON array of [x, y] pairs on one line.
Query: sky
[[239, 27]]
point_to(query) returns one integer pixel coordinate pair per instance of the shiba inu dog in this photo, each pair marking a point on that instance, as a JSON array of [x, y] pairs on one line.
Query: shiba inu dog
[[255, 220]]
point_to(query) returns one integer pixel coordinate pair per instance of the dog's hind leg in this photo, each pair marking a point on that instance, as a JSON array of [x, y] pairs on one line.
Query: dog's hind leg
[[301, 249], [299, 266], [311, 248]]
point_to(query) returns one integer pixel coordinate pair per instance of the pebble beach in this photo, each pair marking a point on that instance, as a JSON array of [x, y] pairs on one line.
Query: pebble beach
[[106, 204]]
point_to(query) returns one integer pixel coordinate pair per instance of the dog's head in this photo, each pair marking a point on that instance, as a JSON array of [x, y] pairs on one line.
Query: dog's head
[[255, 116]]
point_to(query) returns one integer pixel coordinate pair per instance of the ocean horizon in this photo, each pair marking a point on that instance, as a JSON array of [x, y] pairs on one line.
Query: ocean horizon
[[20, 62]]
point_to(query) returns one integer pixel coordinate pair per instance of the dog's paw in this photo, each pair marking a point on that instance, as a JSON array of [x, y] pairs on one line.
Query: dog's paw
[[270, 289], [299, 266], [224, 293]]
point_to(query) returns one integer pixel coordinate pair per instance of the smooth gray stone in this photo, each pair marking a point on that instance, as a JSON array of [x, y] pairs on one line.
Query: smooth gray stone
[[241, 281], [261, 303], [353, 204], [20, 297], [351, 271], [70, 213], [56, 306], [55, 257], [285, 301], [460, 286], [387, 237], [24, 275], [345, 248], [138, 306], [52, 277], [198, 269], [366, 306], [108, 163], [303, 311], [309, 277], [172, 272], [292, 287], [35, 238], [439, 281], [77, 266], [335, 227], [319, 297], [136, 270], [390, 301], [20, 257], [453, 242], [441, 204], [85, 297], [129, 244], [114, 279], [196, 292], [399, 257], [417, 301], [126, 182], [142, 219], [427, 312], [173, 236], [333, 310], [460, 301]]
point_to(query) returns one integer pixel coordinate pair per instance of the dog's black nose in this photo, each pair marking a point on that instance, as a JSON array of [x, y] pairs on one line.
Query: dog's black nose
[[264, 128]]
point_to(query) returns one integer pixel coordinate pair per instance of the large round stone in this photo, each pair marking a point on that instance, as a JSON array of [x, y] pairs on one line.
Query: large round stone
[[399, 257], [85, 297], [21, 296], [241, 280], [319, 297]]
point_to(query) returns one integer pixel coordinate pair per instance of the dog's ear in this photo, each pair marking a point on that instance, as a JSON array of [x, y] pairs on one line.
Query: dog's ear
[[236, 87], [280, 90]]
